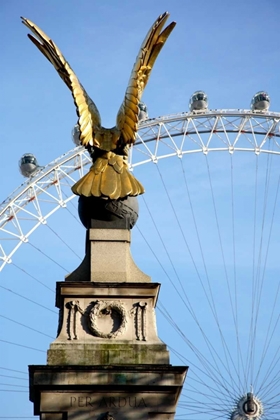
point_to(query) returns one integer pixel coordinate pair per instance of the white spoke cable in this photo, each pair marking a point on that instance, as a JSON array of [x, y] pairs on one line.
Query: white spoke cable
[[224, 344], [26, 298], [32, 277], [48, 257], [26, 326], [226, 350], [65, 243], [259, 283], [211, 369], [186, 302]]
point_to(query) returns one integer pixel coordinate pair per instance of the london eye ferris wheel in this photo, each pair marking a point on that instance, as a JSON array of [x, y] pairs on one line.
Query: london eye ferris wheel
[[209, 237], [208, 232]]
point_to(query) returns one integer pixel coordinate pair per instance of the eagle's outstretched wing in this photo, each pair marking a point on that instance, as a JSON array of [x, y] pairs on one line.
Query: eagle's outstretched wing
[[87, 111], [127, 117]]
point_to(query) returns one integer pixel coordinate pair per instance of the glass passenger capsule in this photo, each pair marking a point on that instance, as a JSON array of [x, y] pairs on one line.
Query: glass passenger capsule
[[260, 101], [198, 101], [76, 135], [143, 112], [28, 165]]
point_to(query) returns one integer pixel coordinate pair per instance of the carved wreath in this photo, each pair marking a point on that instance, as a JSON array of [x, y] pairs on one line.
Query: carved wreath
[[105, 307]]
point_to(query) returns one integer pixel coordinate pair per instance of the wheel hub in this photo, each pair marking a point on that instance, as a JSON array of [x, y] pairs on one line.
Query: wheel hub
[[248, 407]]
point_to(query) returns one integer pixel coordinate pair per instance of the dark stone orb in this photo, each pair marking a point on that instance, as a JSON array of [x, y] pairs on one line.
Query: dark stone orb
[[121, 213]]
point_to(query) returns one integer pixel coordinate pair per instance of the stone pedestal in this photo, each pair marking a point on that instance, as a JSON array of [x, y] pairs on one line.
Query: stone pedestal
[[95, 392], [107, 361]]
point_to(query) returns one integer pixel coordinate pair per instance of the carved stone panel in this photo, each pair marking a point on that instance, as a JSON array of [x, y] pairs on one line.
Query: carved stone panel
[[126, 318]]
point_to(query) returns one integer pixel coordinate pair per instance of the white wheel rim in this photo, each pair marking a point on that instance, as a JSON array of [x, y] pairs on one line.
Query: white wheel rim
[[166, 137]]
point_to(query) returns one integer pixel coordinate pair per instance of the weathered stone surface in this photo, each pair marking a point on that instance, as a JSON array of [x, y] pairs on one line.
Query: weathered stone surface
[[107, 362], [139, 392], [107, 323], [108, 259], [107, 354], [99, 289], [97, 312]]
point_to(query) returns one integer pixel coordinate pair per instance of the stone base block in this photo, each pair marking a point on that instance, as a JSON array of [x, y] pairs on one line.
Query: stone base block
[[107, 354], [106, 392]]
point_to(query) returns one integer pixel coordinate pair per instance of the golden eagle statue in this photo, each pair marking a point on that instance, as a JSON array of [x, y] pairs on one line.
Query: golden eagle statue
[[109, 176]]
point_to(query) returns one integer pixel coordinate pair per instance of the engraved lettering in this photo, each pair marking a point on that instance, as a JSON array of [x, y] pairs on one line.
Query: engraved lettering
[[114, 402], [142, 403], [80, 402], [122, 402], [72, 401], [88, 401]]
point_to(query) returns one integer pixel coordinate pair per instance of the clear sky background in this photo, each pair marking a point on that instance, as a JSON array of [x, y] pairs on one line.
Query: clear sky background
[[229, 49]]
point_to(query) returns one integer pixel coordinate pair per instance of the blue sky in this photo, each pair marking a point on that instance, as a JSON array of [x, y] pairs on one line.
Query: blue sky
[[228, 49]]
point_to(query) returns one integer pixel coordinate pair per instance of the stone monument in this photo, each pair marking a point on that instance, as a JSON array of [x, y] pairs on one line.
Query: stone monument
[[107, 361]]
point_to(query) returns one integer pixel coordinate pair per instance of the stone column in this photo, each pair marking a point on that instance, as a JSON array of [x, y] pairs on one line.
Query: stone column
[[107, 361]]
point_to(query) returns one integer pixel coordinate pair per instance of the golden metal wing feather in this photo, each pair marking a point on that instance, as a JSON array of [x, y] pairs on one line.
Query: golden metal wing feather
[[89, 118], [127, 118]]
